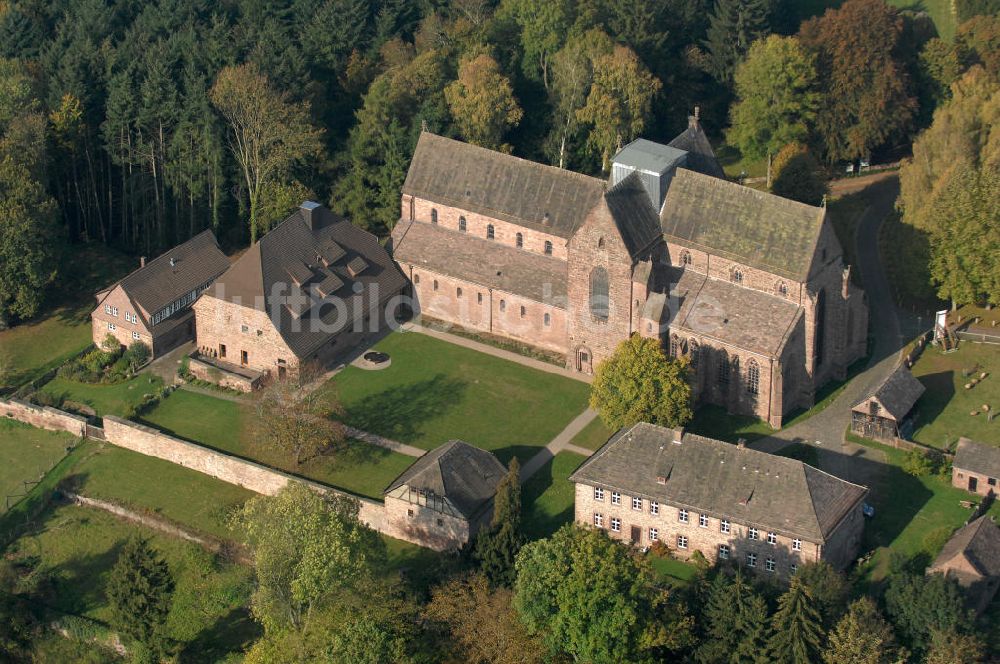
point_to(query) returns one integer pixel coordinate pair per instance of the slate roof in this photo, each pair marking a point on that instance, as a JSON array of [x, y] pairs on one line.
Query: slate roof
[[897, 394], [500, 185], [648, 156], [978, 543], [701, 157], [977, 457], [465, 475], [708, 476], [485, 262], [745, 225], [729, 313], [633, 214], [262, 277], [158, 283]]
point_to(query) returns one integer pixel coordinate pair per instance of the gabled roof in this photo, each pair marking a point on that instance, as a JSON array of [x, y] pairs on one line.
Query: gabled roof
[[977, 457], [725, 481], [536, 196], [701, 157], [978, 543], [897, 393], [633, 214], [465, 476], [290, 270], [491, 264], [158, 283], [752, 227]]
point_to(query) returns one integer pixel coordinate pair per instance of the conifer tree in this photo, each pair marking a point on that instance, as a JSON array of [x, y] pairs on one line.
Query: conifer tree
[[736, 619], [733, 26], [497, 547], [795, 627], [140, 590]]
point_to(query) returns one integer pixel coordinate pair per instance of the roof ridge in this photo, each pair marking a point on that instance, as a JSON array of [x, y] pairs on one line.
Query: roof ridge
[[757, 193], [164, 255]]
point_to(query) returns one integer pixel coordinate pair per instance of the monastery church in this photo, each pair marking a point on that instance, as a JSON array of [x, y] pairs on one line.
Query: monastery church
[[750, 287]]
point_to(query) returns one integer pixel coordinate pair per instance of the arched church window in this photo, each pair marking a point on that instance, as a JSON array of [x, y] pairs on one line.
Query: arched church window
[[519, 240], [599, 298], [490, 232], [462, 226], [737, 276], [434, 215], [548, 248], [686, 257], [820, 326], [753, 377], [723, 369]]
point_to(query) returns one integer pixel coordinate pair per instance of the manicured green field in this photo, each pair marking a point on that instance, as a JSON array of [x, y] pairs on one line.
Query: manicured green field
[[436, 391], [944, 409], [26, 454], [593, 435], [673, 571], [76, 548], [148, 484], [117, 399], [548, 496], [360, 468]]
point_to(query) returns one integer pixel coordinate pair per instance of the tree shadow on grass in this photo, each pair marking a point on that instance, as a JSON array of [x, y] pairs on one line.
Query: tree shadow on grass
[[399, 412], [230, 633], [78, 583], [537, 523], [940, 390], [522, 452]]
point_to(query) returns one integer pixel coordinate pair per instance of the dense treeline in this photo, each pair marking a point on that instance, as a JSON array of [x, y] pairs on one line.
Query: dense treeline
[[137, 124]]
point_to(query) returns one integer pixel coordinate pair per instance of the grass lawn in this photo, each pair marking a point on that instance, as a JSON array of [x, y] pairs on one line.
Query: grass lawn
[[548, 496], [733, 163], [144, 483], [30, 349], [436, 391], [944, 409], [116, 399], [673, 571], [714, 422], [942, 13], [914, 516], [76, 548], [593, 435], [360, 468], [26, 454]]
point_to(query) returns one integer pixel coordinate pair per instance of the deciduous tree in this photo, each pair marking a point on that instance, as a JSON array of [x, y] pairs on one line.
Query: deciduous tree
[[572, 74], [295, 421], [919, 605], [482, 102], [638, 383], [798, 176], [950, 647], [496, 547], [862, 636], [140, 591], [544, 25]]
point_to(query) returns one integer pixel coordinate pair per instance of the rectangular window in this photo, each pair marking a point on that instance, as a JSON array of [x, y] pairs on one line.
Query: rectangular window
[[598, 520], [114, 311], [135, 335], [107, 309], [682, 516], [654, 534], [724, 526], [616, 498], [703, 521], [724, 551], [598, 493], [682, 542], [616, 525], [769, 564], [751, 560], [479, 298], [112, 327], [752, 533], [772, 538], [409, 513], [244, 329], [796, 545], [992, 481], [654, 507], [637, 504]]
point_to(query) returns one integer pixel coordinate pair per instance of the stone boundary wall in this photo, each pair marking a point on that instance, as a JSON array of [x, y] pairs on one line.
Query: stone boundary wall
[[43, 417]]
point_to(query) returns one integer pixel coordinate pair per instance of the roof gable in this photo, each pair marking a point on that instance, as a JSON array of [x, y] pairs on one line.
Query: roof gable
[[540, 197], [977, 457], [896, 394], [977, 544], [761, 230], [701, 157]]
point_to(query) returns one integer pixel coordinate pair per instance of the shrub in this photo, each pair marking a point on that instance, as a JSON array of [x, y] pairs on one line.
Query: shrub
[[137, 355], [660, 550], [184, 370], [918, 463], [699, 560]]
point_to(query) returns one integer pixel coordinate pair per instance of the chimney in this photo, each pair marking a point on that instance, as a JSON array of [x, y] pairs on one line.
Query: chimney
[[678, 435], [142, 261], [741, 444], [311, 214], [693, 119], [173, 261]]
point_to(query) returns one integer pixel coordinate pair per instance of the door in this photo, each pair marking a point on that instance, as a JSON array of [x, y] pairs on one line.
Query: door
[[282, 372], [973, 484], [583, 361], [244, 357], [636, 534], [222, 351]]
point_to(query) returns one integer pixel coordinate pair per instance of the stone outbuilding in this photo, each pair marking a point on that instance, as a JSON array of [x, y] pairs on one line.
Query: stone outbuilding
[[972, 557], [768, 513], [976, 467], [884, 414], [445, 497]]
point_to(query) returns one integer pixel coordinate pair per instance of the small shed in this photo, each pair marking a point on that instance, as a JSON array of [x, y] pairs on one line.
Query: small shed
[[445, 497], [976, 467], [972, 557], [884, 413]]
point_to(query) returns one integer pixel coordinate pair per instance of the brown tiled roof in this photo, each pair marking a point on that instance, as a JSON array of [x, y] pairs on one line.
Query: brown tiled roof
[[491, 264], [701, 157], [977, 457], [897, 393], [157, 284], [732, 314], [463, 474], [752, 227], [978, 542], [261, 277], [633, 214], [722, 480], [500, 185]]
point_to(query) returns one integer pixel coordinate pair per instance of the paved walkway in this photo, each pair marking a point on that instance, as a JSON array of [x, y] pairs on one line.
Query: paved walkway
[[558, 444], [825, 430], [382, 441], [498, 352]]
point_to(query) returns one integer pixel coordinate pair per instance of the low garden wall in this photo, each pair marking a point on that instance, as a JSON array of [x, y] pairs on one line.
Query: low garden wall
[[43, 417], [213, 374]]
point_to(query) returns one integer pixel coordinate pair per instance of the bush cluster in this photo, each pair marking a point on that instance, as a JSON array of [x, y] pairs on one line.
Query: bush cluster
[[112, 363]]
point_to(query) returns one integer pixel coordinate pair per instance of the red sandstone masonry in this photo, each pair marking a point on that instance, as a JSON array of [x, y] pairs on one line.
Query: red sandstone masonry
[[43, 417]]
